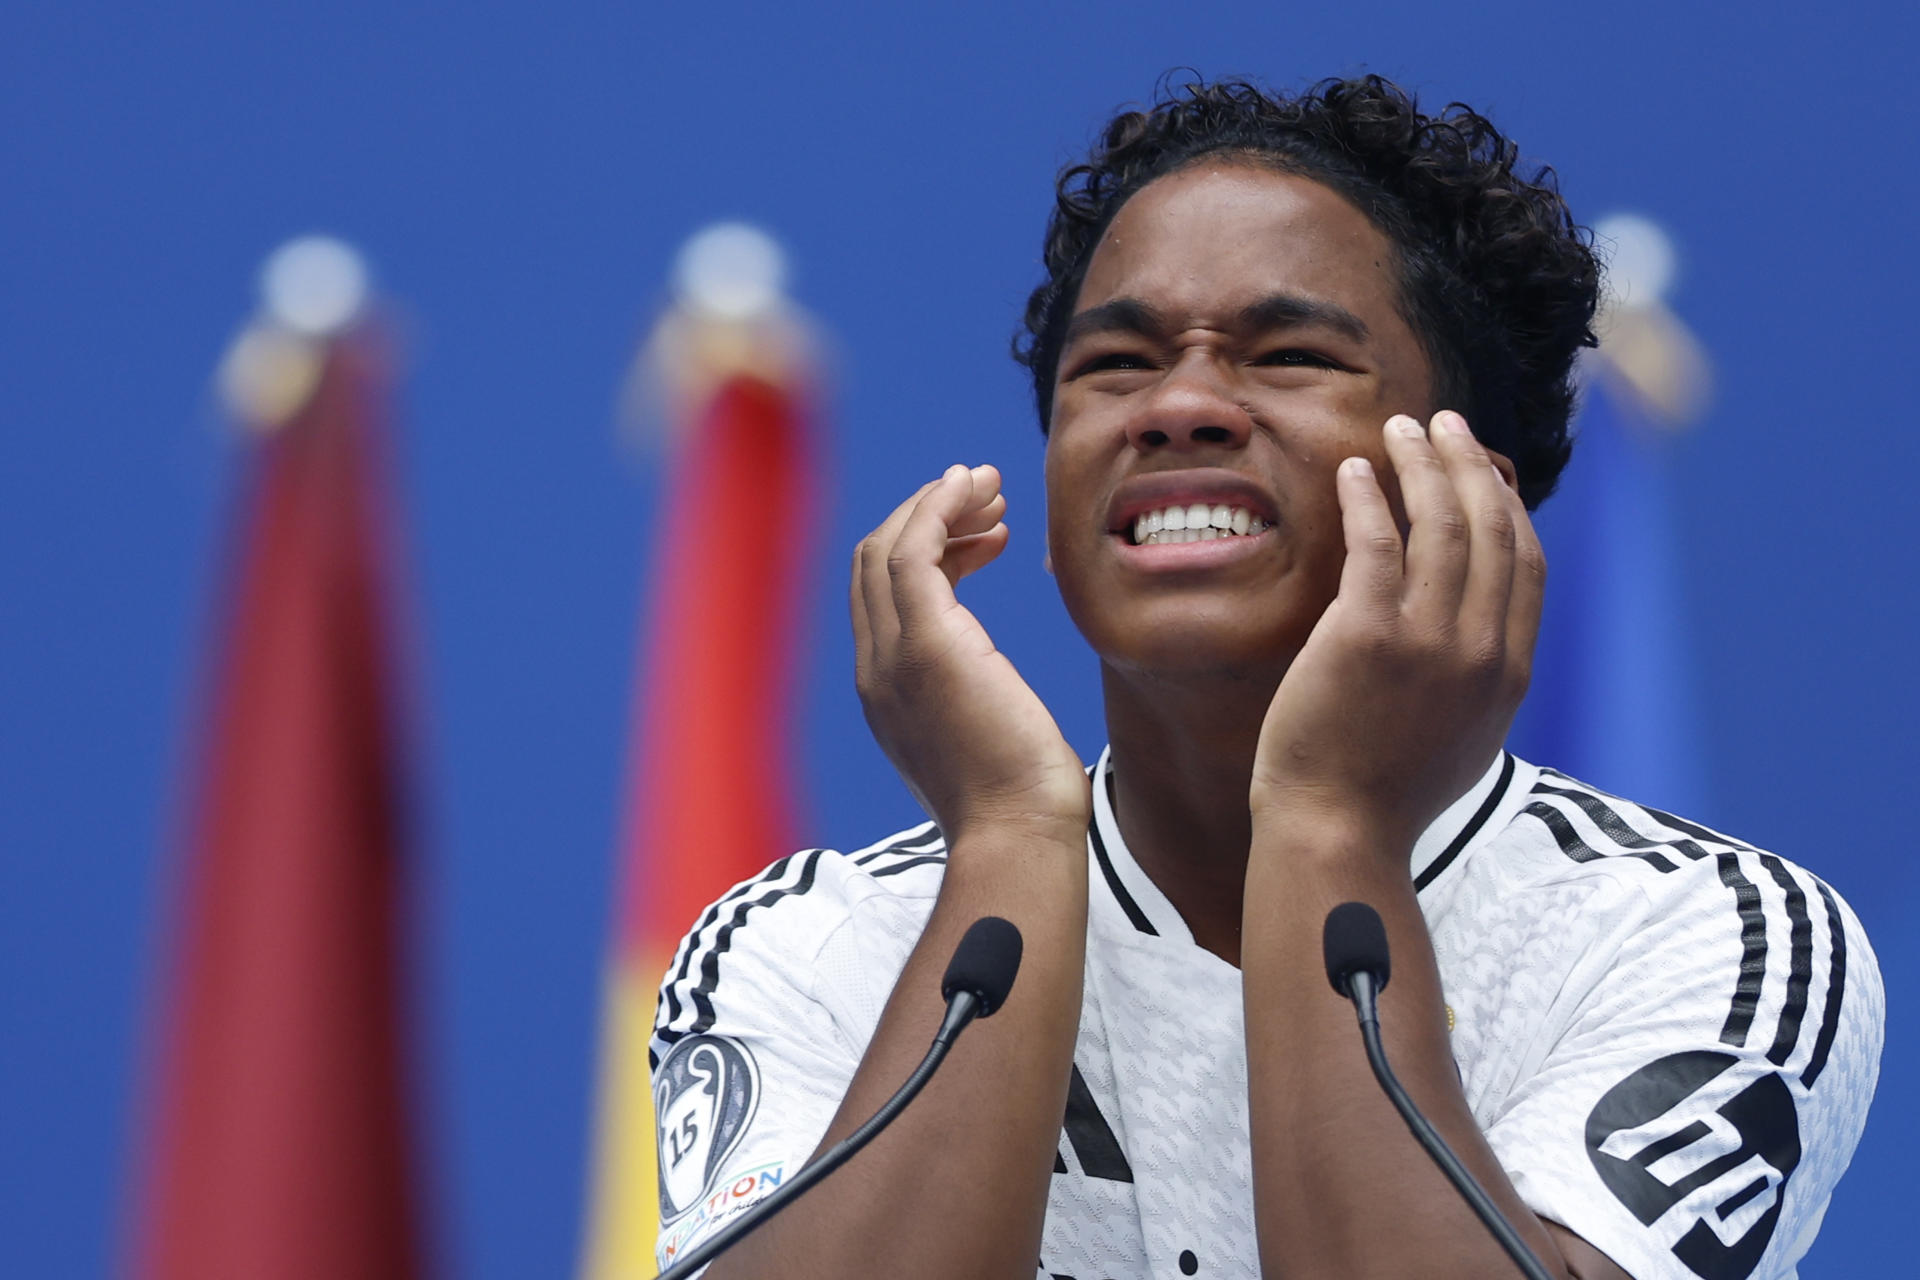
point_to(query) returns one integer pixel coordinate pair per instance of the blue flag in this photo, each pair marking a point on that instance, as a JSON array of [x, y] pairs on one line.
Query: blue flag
[[1612, 702]]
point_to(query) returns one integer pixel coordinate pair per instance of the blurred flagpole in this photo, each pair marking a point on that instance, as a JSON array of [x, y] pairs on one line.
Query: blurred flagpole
[[725, 382], [1613, 699], [276, 1135]]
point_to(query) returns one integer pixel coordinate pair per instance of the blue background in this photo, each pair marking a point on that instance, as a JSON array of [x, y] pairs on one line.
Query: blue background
[[520, 177]]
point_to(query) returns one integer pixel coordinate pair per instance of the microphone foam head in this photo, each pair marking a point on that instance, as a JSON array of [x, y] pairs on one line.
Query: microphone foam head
[[1355, 940], [985, 963]]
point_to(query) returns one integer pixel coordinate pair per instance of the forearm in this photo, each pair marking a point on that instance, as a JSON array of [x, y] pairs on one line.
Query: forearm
[[1341, 1188], [989, 1121]]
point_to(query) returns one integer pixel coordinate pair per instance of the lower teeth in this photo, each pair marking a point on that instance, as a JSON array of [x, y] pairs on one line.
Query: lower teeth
[[1166, 536]]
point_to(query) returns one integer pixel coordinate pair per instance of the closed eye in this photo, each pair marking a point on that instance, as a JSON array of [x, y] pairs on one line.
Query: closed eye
[[1111, 360], [1298, 357]]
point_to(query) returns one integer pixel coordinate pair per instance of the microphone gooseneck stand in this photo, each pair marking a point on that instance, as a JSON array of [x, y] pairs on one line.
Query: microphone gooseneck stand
[[1355, 944]]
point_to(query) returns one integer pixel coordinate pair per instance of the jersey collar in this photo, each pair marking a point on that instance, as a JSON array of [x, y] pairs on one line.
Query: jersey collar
[[1132, 901]]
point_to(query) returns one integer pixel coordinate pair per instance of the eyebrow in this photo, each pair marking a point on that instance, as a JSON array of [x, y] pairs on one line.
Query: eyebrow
[[1275, 311]]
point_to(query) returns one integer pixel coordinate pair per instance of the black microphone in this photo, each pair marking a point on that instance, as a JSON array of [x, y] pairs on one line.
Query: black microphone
[[1354, 946], [976, 984]]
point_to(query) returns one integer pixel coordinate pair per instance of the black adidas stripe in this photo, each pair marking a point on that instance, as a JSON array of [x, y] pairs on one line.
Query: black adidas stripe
[[1836, 986], [702, 997], [1579, 850], [1593, 804], [1800, 974], [1728, 859], [690, 945], [740, 900], [919, 840], [1753, 951], [910, 864], [924, 838]]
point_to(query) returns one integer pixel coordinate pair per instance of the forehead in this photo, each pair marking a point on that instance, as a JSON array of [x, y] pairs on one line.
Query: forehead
[[1204, 241]]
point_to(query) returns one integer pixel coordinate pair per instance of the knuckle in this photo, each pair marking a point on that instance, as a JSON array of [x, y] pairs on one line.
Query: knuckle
[[1486, 655], [1382, 643], [1451, 524], [1501, 531], [1382, 543]]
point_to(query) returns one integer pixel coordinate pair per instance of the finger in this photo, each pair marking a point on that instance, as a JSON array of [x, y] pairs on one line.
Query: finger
[[1483, 495], [873, 598], [1437, 531], [965, 555], [873, 588], [1529, 586], [857, 608], [979, 519], [1371, 578], [889, 531], [919, 592], [973, 517]]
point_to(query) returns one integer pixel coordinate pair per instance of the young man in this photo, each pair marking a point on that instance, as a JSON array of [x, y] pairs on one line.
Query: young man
[[1304, 364]]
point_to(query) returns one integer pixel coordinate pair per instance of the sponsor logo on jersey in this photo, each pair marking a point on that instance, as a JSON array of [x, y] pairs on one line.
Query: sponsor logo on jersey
[[738, 1194], [704, 1095], [1685, 1129]]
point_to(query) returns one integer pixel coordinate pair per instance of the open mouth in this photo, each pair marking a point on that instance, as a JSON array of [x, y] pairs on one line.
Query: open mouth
[[1193, 522]]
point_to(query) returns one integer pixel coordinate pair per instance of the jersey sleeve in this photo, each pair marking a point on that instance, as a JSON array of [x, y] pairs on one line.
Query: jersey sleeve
[[750, 1062], [1712, 1081]]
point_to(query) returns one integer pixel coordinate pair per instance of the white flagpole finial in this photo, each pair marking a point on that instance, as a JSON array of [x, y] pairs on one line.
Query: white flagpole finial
[[315, 285], [1641, 261], [731, 271]]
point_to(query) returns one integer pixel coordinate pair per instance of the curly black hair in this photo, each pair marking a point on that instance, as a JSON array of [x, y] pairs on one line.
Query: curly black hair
[[1495, 277]]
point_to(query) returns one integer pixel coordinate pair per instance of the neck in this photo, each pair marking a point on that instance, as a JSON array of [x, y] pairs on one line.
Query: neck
[[1183, 764]]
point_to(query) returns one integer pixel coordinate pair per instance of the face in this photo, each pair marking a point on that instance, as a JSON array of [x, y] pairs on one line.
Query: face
[[1236, 337]]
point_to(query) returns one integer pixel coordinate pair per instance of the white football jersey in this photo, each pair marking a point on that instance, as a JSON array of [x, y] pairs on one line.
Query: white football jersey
[[1670, 1038]]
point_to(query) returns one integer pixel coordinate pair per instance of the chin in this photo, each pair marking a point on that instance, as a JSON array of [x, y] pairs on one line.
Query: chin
[[1195, 657], [1194, 635]]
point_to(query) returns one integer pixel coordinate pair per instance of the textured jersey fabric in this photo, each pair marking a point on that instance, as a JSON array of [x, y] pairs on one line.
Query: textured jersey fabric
[[1670, 1038]]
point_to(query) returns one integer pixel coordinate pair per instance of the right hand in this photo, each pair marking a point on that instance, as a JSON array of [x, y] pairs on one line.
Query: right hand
[[973, 743]]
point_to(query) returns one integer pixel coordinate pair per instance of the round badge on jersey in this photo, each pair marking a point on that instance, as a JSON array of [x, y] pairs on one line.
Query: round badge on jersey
[[704, 1095]]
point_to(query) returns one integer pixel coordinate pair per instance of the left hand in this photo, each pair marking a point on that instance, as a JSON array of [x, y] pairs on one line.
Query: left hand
[[1405, 689]]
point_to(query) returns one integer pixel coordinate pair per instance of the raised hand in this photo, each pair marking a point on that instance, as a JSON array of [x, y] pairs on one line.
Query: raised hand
[[1404, 691], [972, 741]]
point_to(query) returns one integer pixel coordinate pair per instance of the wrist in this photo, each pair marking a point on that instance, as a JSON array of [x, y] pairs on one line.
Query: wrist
[[1305, 826], [1018, 832]]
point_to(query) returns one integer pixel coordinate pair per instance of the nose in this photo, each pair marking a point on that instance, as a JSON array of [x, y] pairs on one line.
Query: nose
[[1189, 408]]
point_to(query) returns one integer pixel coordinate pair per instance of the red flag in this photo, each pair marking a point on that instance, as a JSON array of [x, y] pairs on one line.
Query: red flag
[[709, 798], [278, 1141]]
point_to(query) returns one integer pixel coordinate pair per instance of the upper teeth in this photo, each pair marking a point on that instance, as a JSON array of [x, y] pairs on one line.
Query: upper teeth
[[1196, 522]]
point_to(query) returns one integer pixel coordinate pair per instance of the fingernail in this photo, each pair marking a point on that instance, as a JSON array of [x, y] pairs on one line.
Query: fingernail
[[1406, 426], [1452, 423], [1360, 468]]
